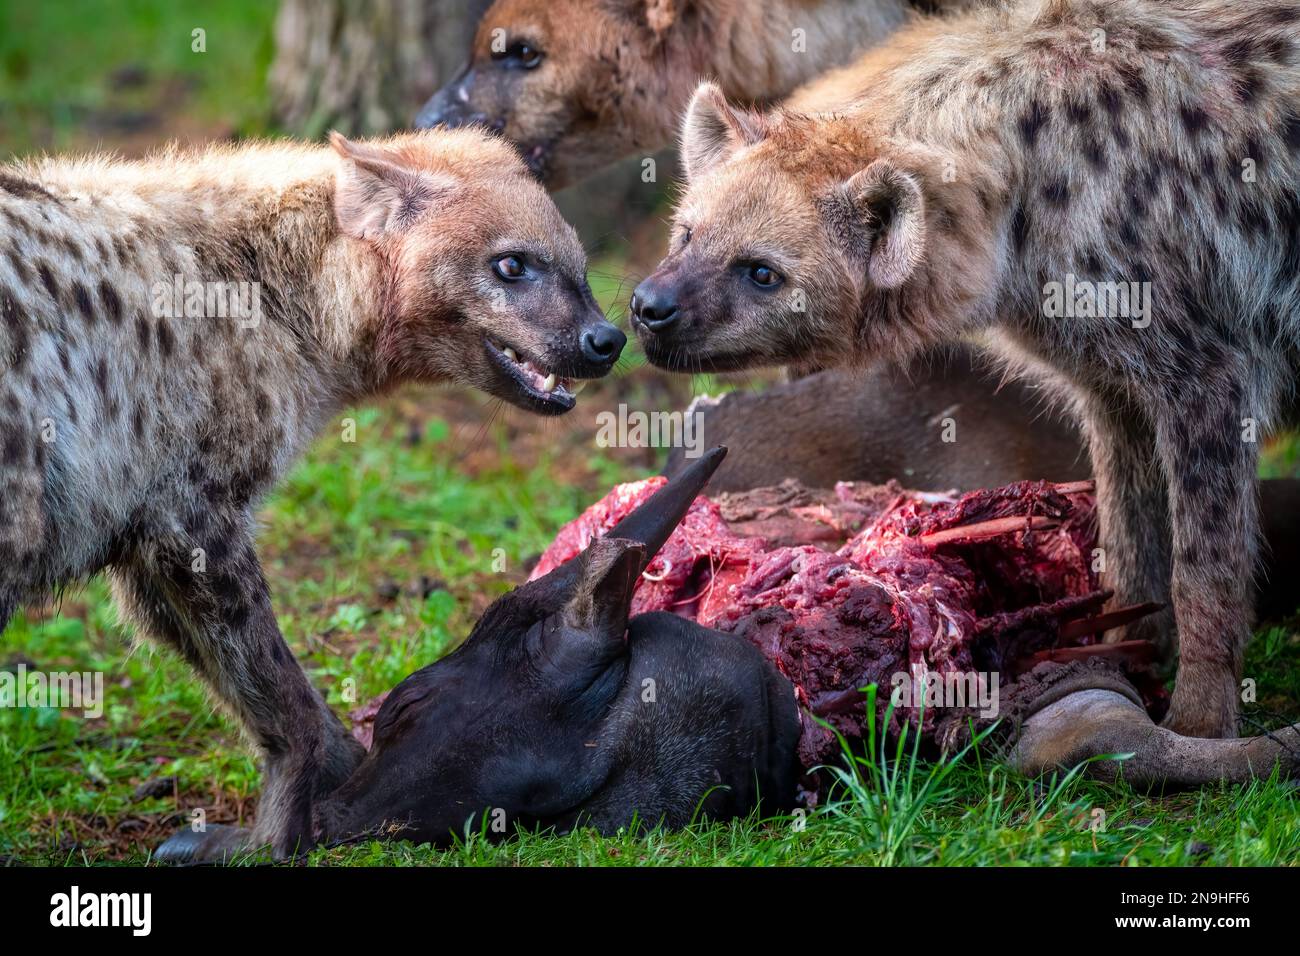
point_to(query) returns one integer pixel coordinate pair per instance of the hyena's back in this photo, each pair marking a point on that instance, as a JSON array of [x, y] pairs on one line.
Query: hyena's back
[[120, 428], [1157, 144], [1171, 158]]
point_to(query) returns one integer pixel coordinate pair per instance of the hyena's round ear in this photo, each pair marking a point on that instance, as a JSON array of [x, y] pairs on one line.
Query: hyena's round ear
[[713, 129], [378, 192], [889, 205]]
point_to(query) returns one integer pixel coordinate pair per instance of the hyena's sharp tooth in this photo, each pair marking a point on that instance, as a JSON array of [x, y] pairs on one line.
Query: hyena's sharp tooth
[[549, 384], [510, 354], [575, 388]]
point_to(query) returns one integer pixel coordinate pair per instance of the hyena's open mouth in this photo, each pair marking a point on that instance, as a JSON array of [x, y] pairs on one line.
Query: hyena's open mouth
[[531, 387]]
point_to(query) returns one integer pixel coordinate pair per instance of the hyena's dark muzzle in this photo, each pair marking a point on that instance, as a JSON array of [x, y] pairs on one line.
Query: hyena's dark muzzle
[[680, 318], [451, 107]]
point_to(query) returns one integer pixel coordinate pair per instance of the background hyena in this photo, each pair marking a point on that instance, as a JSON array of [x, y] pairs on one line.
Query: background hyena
[[579, 84], [989, 159], [136, 430]]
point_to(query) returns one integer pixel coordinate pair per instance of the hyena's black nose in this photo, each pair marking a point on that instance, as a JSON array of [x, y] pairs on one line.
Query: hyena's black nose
[[602, 343], [654, 303]]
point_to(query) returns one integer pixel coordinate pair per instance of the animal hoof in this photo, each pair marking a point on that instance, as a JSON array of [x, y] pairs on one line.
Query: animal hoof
[[216, 844]]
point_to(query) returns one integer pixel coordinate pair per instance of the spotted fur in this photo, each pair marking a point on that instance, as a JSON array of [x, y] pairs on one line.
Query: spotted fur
[[978, 159], [138, 438]]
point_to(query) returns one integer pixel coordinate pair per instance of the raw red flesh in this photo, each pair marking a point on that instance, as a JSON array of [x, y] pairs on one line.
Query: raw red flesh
[[927, 585], [692, 573]]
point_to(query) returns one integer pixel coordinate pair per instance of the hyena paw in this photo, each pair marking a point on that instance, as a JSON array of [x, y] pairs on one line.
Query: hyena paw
[[215, 844], [1203, 707]]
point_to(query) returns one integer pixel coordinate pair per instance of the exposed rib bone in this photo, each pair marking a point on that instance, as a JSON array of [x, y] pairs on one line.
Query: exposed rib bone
[[1111, 619], [1135, 653], [989, 529], [1076, 487]]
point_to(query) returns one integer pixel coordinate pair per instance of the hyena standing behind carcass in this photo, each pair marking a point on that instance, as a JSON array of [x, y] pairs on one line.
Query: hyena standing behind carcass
[[137, 431], [994, 161]]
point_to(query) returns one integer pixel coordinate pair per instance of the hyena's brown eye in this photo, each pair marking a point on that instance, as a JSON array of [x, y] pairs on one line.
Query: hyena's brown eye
[[764, 276], [509, 268], [519, 54]]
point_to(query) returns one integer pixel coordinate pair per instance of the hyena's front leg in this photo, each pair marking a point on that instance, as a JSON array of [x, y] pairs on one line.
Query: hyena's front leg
[[1210, 461], [212, 604], [1134, 512]]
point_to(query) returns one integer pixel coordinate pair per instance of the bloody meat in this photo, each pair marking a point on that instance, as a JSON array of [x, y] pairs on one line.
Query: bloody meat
[[849, 588]]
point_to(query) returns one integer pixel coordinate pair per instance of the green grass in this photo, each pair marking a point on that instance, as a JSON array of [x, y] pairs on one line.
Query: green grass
[[979, 817], [74, 73], [396, 505], [353, 522]]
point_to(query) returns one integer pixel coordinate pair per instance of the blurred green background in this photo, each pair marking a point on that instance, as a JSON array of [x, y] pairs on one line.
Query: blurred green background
[[77, 74]]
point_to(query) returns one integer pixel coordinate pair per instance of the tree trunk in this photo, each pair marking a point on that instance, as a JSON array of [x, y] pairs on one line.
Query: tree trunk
[[365, 66]]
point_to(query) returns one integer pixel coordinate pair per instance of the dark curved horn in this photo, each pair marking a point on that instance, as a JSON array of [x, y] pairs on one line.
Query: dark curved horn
[[655, 519], [652, 521]]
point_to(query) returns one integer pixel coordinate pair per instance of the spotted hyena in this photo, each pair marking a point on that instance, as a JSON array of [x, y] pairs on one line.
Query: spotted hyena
[[1105, 190], [579, 84], [173, 333]]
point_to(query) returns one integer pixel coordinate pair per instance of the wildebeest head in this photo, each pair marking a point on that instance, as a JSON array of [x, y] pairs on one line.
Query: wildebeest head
[[559, 712]]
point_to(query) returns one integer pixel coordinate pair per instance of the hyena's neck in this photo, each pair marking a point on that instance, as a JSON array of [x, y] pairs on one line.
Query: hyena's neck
[[261, 220], [955, 291], [936, 96]]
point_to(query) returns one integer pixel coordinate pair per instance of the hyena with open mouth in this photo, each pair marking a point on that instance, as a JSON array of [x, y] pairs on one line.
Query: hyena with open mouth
[[1108, 190], [137, 430]]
